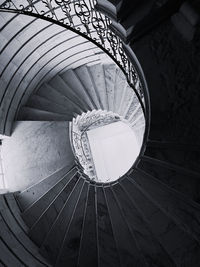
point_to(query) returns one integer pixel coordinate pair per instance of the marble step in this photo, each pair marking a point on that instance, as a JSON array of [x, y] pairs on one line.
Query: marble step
[[89, 232], [28, 247], [32, 114], [183, 212], [40, 229], [120, 86], [41, 103], [36, 209], [147, 242], [14, 206], [110, 81], [163, 227], [54, 241], [110, 252], [63, 88], [30, 195], [123, 235], [73, 81], [7, 257], [50, 93], [183, 183], [85, 78], [98, 79], [74, 232]]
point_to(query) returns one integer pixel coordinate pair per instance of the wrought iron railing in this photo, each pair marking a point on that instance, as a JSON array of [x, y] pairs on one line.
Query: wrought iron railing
[[79, 140], [81, 149], [82, 17]]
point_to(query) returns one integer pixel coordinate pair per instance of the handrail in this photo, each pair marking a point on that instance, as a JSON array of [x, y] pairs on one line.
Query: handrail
[[82, 17]]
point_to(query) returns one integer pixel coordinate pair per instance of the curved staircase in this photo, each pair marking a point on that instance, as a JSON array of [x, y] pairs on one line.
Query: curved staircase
[[151, 215]]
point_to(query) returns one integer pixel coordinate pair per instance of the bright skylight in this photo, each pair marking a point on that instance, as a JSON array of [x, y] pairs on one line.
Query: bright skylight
[[114, 149]]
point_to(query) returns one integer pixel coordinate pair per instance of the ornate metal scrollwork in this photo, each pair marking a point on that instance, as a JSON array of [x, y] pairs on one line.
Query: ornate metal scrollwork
[[65, 6], [83, 12]]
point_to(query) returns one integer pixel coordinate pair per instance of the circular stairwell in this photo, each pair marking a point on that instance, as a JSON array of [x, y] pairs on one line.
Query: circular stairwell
[[149, 217]]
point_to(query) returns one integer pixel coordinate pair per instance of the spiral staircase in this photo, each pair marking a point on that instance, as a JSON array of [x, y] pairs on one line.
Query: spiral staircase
[[54, 74]]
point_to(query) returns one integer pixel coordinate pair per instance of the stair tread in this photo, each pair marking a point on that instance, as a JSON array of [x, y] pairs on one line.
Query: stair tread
[[60, 83], [33, 212], [31, 194], [16, 247], [185, 184], [85, 78], [97, 75], [148, 243], [88, 253], [124, 238], [14, 208], [54, 95], [22, 237], [27, 113], [108, 253], [71, 243], [110, 78], [162, 226], [7, 257], [72, 79], [50, 214], [52, 246], [41, 103], [183, 212]]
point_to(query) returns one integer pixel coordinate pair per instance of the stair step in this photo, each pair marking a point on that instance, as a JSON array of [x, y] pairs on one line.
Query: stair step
[[50, 214], [7, 257], [41, 103], [59, 84], [110, 78], [27, 197], [19, 234], [14, 208], [72, 238], [126, 100], [182, 211], [85, 78], [120, 85], [98, 79], [147, 242], [72, 79], [78, 97], [54, 241], [123, 235], [163, 227], [132, 107], [108, 253], [33, 212], [46, 90], [32, 114], [88, 253], [186, 184], [15, 246]]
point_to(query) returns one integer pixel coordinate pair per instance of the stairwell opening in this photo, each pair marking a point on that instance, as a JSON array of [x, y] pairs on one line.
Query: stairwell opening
[[105, 144]]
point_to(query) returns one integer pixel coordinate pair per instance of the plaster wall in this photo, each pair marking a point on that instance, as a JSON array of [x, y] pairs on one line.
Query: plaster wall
[[34, 151]]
